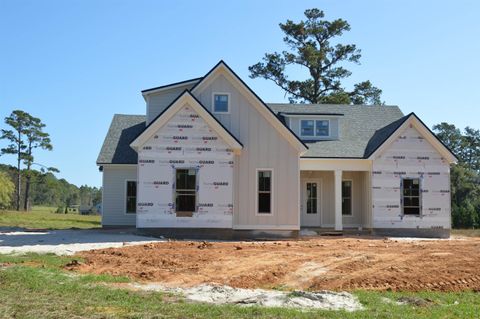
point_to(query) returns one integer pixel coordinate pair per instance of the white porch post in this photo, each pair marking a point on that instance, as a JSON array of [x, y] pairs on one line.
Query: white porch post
[[338, 200]]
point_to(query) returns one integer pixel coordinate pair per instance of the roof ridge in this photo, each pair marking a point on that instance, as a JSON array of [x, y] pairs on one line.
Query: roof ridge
[[171, 84], [123, 114], [321, 104]]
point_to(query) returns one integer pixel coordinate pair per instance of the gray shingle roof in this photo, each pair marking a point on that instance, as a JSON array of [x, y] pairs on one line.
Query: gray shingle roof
[[360, 126], [116, 147], [362, 129], [383, 134]]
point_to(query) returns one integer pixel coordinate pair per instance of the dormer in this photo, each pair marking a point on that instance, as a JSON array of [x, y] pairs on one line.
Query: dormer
[[313, 126]]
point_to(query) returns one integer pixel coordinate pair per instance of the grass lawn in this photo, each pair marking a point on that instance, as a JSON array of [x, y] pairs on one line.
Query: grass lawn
[[466, 232], [45, 218], [35, 286]]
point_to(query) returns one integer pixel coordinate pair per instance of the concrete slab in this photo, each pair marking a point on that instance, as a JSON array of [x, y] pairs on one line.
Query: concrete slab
[[69, 241]]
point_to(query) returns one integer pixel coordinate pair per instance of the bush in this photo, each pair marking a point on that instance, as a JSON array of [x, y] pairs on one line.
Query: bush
[[7, 188], [464, 216], [60, 210]]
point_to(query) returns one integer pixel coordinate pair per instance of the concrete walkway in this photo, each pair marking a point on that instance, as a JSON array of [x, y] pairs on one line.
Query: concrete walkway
[[67, 242]]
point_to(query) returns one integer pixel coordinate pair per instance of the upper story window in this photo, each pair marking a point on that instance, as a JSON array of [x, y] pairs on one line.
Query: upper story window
[[307, 127], [221, 103], [322, 128], [313, 128]]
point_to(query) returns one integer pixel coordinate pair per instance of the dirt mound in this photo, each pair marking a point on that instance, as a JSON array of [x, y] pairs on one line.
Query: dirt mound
[[311, 264]]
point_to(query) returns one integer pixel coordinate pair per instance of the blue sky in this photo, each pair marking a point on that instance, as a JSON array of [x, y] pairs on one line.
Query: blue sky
[[76, 63]]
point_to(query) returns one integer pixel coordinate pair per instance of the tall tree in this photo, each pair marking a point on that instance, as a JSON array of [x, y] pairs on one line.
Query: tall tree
[[18, 121], [35, 138], [471, 148], [311, 47], [465, 145], [450, 135]]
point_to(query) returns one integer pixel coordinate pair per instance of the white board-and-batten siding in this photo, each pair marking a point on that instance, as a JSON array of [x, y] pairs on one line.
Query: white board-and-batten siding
[[114, 195], [411, 156], [264, 148], [158, 102]]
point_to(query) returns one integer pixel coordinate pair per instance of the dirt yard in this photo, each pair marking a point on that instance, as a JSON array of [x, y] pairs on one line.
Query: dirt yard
[[331, 263]]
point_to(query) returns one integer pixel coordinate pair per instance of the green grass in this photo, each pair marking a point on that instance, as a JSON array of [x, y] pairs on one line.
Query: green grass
[[466, 232], [35, 286], [44, 218]]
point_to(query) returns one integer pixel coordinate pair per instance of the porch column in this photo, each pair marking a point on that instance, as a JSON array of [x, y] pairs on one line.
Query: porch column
[[338, 200]]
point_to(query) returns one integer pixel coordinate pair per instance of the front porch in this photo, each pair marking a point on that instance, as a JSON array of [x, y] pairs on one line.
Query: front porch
[[335, 199]]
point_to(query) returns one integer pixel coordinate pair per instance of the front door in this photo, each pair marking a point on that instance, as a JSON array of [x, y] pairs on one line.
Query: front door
[[311, 204]]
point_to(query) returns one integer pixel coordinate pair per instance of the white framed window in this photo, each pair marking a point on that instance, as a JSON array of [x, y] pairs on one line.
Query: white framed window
[[312, 197], [130, 197], [307, 128], [185, 192], [411, 196], [221, 103], [322, 128], [347, 202], [314, 128], [264, 196]]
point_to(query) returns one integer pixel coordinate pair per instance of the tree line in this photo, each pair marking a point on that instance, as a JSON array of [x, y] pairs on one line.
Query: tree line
[[20, 188], [464, 176], [47, 190]]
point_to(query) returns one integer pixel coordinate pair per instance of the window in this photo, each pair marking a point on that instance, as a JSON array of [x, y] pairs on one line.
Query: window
[[411, 196], [131, 197], [311, 128], [307, 127], [264, 188], [322, 128], [311, 198], [220, 103], [347, 198], [185, 192]]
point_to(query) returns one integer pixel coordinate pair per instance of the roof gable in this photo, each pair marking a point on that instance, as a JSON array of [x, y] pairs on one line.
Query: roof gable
[[252, 97], [396, 128], [186, 98]]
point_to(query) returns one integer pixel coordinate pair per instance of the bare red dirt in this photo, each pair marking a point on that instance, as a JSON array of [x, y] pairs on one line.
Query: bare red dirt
[[313, 264]]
